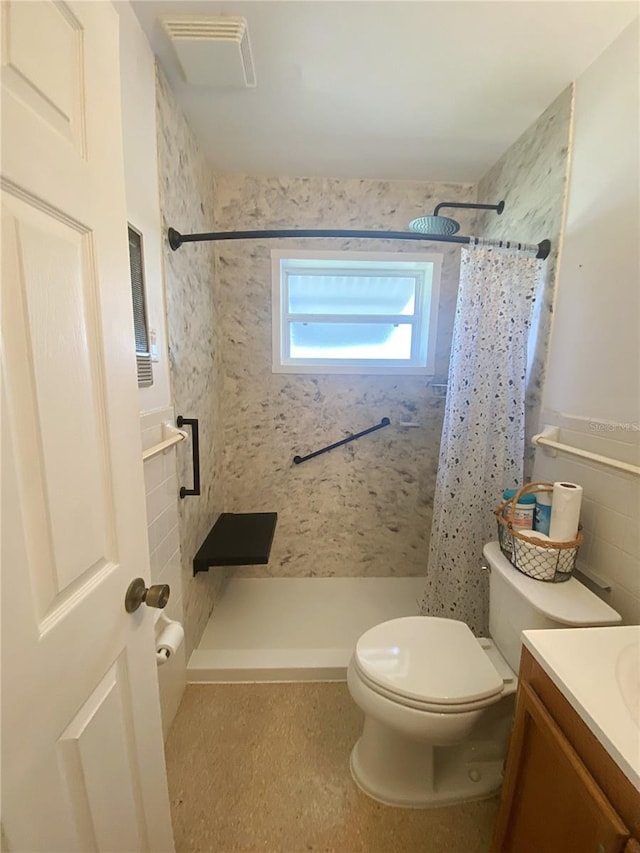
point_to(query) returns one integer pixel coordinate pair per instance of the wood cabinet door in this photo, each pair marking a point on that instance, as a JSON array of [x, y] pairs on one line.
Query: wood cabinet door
[[550, 802]]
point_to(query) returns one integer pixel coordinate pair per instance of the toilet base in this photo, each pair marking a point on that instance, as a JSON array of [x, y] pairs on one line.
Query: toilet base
[[399, 771]]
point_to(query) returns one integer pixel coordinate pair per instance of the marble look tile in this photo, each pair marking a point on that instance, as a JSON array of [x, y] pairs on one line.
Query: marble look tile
[[187, 198], [365, 508], [531, 177]]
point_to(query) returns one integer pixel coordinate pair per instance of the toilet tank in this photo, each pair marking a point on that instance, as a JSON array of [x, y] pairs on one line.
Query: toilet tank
[[519, 603]]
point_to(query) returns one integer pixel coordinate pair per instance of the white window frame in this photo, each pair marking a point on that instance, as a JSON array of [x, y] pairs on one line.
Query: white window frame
[[422, 361]]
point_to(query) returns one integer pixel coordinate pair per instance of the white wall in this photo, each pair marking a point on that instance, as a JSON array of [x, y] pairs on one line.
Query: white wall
[[592, 391], [161, 487], [594, 361], [137, 74], [138, 93]]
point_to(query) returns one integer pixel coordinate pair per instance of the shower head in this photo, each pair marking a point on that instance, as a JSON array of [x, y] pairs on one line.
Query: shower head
[[442, 225], [434, 225]]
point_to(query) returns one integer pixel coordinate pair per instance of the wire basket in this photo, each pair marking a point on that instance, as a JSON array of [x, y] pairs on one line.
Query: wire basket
[[541, 559]]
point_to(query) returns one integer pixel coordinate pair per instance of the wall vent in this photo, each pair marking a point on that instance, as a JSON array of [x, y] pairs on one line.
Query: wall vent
[[212, 51], [140, 325]]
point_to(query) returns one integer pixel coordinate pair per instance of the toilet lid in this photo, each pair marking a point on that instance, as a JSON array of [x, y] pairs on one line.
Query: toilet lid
[[428, 659]]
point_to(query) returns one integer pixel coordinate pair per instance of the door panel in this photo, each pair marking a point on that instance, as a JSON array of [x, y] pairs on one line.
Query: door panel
[[82, 756], [103, 729], [44, 64], [58, 380]]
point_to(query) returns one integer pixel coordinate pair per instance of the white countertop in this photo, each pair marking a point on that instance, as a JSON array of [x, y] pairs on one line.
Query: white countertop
[[598, 672]]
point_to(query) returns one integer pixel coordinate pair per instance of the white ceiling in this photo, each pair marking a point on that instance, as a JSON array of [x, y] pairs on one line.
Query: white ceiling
[[389, 89]]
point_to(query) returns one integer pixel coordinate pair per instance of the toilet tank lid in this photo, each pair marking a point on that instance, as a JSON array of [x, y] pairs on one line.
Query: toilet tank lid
[[568, 603]]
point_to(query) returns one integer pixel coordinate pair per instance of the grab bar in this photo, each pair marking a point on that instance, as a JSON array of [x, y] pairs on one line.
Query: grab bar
[[170, 437], [195, 453], [548, 439], [383, 423]]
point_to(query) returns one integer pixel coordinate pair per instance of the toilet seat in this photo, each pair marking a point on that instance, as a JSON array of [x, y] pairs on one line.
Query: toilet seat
[[427, 663]]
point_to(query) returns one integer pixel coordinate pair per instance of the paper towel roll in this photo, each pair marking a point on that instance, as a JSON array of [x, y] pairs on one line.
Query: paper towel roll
[[168, 640], [565, 512]]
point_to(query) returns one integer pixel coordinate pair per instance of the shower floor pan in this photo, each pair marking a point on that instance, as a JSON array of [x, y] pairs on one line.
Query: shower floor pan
[[295, 629]]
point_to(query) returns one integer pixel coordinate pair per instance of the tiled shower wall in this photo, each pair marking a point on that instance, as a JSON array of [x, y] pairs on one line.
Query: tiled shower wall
[[187, 204], [365, 508], [531, 177]]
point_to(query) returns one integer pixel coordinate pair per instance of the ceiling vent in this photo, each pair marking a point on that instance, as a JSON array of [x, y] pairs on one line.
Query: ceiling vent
[[212, 51]]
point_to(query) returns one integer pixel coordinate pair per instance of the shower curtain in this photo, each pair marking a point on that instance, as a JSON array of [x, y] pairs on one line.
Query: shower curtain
[[482, 446]]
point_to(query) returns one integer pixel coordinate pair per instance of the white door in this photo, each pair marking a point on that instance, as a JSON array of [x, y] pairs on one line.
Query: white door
[[82, 758]]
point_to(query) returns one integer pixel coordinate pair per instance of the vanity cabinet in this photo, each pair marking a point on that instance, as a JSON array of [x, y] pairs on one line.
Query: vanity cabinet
[[562, 792]]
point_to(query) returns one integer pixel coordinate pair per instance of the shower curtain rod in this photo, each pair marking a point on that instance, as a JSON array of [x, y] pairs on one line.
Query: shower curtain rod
[[176, 239]]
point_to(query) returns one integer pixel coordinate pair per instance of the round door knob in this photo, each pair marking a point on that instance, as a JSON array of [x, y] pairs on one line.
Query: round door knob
[[154, 596], [157, 595]]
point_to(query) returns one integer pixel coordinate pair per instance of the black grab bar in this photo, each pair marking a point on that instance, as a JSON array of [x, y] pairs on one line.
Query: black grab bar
[[383, 423], [195, 449]]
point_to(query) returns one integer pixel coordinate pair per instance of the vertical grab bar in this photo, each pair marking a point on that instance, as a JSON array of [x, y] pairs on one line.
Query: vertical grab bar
[[195, 451]]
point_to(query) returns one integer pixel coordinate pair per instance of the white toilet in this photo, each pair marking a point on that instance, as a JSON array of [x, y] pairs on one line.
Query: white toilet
[[438, 702]]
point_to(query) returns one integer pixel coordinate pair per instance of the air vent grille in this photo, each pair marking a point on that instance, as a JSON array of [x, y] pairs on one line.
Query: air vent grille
[[212, 51], [145, 370], [206, 28]]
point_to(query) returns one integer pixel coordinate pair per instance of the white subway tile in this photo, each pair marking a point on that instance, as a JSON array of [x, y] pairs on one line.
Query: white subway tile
[[156, 565], [634, 502], [154, 473], [160, 498], [614, 445], [631, 539], [626, 603], [615, 565], [169, 463], [171, 574], [166, 521], [627, 573], [167, 547], [585, 548], [611, 526], [603, 556], [620, 492], [588, 515], [156, 417], [150, 436]]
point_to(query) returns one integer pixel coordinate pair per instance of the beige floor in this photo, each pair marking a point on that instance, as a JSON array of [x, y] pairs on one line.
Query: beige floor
[[266, 767]]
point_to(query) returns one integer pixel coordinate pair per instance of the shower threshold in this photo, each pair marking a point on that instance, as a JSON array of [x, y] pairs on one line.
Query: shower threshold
[[295, 629]]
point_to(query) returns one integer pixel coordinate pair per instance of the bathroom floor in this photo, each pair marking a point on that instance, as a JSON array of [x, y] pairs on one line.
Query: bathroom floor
[[266, 767]]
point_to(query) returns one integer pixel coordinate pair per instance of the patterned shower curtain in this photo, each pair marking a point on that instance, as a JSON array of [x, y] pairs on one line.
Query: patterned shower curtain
[[482, 446]]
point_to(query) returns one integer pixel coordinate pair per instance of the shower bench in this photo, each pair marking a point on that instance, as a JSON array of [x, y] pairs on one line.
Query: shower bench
[[237, 539]]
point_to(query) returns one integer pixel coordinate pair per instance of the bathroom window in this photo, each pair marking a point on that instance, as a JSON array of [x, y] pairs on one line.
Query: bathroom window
[[136, 266], [354, 312]]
